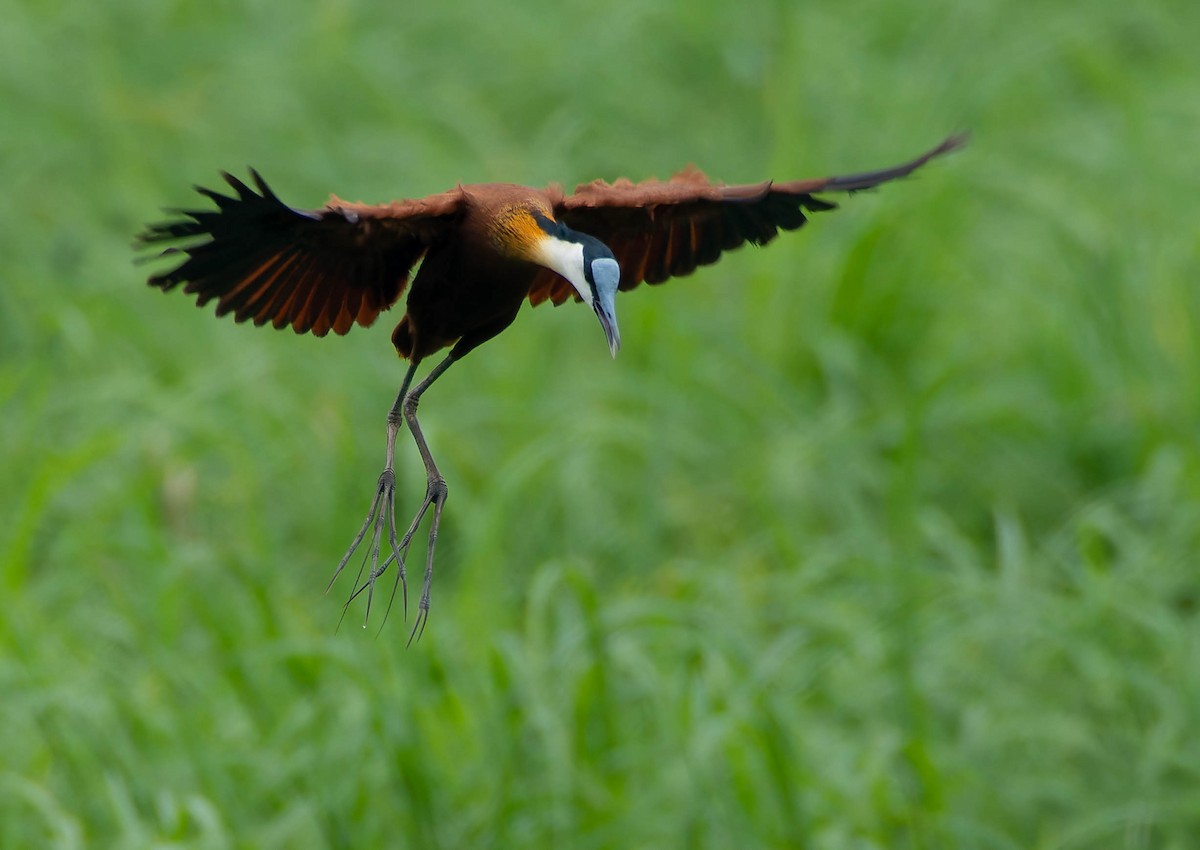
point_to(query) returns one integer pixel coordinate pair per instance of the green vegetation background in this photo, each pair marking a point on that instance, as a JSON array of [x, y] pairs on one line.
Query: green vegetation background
[[885, 536]]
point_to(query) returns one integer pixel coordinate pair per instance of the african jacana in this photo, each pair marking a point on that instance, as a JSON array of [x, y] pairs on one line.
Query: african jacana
[[483, 250]]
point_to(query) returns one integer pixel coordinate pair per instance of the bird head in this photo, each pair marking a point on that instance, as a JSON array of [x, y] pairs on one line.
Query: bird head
[[588, 265]]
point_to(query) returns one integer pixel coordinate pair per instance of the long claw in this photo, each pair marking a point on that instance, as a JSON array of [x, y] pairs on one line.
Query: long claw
[[435, 494], [401, 579], [362, 532], [381, 513]]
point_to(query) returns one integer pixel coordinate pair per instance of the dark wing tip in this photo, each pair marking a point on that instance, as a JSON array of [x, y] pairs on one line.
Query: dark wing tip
[[263, 188], [244, 192], [870, 179], [953, 142]]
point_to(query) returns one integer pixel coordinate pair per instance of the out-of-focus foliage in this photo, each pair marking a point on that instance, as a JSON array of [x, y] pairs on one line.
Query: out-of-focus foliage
[[884, 536]]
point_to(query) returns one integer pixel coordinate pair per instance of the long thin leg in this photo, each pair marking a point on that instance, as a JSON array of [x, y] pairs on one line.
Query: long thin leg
[[381, 512], [435, 492], [383, 507]]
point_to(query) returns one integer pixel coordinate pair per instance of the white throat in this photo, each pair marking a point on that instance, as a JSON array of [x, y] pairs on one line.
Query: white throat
[[566, 258]]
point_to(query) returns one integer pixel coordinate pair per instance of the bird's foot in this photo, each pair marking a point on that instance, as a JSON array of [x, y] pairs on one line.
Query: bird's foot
[[435, 495], [381, 514]]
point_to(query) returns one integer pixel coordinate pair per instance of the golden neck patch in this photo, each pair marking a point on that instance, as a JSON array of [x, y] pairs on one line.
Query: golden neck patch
[[515, 233]]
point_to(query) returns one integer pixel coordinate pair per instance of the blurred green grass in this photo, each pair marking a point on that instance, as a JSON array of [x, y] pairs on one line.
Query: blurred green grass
[[882, 537]]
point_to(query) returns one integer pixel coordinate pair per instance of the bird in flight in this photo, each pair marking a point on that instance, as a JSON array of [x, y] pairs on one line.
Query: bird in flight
[[480, 252]]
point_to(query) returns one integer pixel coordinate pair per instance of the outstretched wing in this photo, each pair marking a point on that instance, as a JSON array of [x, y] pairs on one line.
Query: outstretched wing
[[314, 270], [660, 230]]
